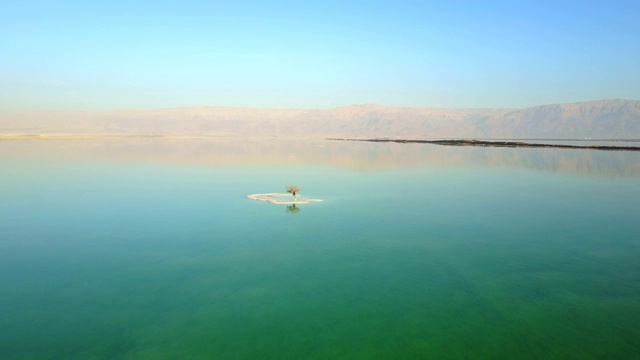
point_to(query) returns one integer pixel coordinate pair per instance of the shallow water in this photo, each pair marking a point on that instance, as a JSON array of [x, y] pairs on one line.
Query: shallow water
[[139, 249]]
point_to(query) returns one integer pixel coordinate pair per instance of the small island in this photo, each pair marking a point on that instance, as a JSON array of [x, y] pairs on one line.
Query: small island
[[283, 198]]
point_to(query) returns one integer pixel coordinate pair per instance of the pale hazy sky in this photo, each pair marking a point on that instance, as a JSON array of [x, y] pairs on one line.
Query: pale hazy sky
[[98, 55]]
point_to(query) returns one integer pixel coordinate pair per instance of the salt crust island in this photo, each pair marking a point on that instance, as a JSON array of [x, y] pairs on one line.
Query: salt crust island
[[278, 198]]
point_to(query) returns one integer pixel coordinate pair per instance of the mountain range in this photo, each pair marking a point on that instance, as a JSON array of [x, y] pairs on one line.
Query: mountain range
[[603, 119]]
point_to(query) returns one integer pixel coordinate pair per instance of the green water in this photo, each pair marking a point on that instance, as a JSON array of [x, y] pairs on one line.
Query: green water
[[155, 256]]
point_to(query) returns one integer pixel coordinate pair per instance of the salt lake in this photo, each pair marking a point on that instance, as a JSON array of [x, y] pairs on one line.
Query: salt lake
[[149, 249]]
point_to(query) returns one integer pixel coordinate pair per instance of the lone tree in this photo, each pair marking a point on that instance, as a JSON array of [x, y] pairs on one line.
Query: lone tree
[[293, 190]]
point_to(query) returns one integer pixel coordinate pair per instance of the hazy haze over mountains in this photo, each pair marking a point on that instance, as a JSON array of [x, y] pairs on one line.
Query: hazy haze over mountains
[[604, 119]]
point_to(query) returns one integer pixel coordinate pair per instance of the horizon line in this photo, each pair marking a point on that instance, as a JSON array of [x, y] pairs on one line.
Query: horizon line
[[304, 109]]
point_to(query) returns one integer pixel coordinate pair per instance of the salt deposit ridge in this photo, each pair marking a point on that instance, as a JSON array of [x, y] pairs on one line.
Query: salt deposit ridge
[[277, 198]]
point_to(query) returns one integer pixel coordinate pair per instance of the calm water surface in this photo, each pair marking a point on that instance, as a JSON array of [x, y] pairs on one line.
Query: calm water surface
[[148, 249]]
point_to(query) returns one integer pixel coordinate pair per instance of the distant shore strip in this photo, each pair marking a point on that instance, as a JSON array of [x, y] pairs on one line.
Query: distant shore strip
[[497, 143]]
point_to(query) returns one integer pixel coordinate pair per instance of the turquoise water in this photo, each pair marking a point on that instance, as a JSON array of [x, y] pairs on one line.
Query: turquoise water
[[150, 250]]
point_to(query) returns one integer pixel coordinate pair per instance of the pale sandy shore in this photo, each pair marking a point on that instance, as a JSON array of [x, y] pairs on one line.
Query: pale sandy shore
[[99, 136], [273, 198]]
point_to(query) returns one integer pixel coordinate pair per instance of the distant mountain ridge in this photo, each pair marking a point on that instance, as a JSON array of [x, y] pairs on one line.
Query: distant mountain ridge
[[603, 119]]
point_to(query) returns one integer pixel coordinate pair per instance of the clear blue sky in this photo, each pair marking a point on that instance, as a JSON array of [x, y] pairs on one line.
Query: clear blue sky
[[99, 55]]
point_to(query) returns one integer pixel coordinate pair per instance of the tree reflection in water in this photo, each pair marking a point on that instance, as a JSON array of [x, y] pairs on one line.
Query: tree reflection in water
[[293, 209]]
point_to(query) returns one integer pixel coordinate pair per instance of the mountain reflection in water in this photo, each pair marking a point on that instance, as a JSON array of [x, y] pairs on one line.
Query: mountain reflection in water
[[354, 155]]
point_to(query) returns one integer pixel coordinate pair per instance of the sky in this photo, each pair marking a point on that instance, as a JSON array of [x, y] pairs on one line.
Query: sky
[[105, 55]]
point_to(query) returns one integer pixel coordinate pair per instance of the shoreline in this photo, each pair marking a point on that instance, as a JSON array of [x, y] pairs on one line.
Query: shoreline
[[503, 143], [8, 136], [519, 143]]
